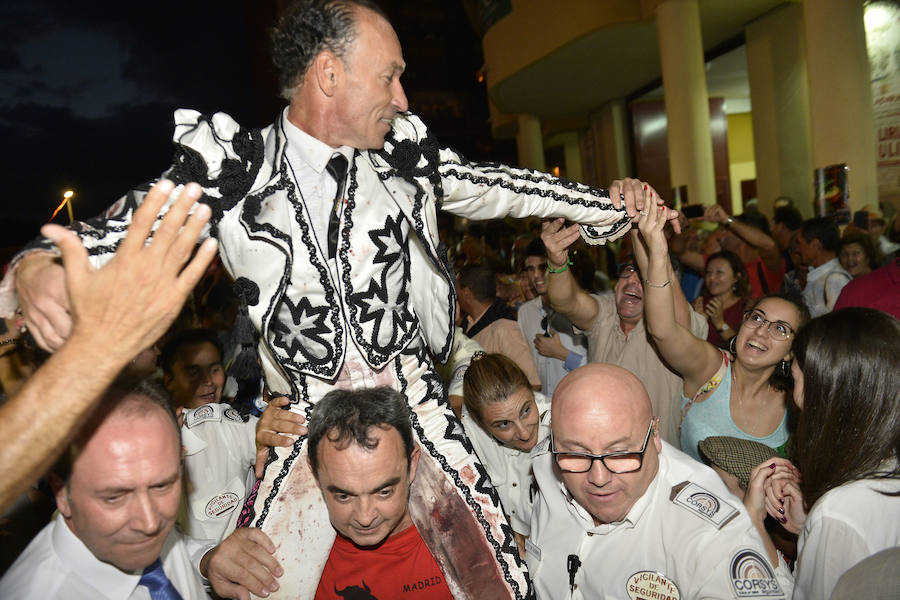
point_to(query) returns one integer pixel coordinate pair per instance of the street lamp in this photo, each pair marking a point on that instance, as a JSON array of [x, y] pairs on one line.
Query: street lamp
[[67, 202], [67, 196]]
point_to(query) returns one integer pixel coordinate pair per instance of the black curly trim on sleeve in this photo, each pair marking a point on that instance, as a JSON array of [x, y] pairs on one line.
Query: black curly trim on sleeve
[[405, 156], [236, 176], [188, 165]]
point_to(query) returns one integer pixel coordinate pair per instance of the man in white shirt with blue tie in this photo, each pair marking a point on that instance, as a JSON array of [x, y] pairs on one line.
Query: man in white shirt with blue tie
[[114, 537]]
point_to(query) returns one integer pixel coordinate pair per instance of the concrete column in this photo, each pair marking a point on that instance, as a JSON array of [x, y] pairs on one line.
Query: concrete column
[[779, 93], [609, 136], [840, 94], [686, 99], [530, 143], [572, 155]]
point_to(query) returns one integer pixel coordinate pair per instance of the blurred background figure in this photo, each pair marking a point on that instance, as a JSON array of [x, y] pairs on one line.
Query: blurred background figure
[[723, 296], [556, 347], [490, 321], [857, 253], [818, 241]]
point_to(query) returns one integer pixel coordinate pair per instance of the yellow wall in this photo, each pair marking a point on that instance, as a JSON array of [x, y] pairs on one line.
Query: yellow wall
[[741, 163]]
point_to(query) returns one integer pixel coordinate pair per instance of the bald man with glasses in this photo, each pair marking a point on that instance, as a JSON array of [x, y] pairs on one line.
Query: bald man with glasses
[[623, 514]]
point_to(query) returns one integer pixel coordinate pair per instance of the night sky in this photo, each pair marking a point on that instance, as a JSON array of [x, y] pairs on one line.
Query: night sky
[[87, 91]]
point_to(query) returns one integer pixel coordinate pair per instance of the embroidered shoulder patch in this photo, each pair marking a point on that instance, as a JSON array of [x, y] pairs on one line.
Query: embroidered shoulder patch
[[541, 447], [703, 503], [233, 415], [752, 576], [201, 414]]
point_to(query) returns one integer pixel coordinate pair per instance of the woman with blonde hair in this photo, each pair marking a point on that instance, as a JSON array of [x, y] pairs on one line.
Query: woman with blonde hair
[[503, 419]]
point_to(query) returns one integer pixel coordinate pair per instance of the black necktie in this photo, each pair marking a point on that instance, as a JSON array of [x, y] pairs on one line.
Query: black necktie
[[337, 168], [155, 580]]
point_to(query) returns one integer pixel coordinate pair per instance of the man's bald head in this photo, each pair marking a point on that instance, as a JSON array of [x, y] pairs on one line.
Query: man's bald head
[[601, 387], [598, 409]]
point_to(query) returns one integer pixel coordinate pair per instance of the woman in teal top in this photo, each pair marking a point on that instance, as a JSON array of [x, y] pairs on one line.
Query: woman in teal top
[[708, 414], [742, 393]]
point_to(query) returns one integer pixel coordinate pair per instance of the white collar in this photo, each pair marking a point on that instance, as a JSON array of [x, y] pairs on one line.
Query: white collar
[[312, 151], [106, 578], [825, 267], [191, 443]]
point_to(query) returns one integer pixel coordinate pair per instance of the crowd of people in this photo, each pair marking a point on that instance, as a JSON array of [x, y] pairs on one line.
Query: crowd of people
[[338, 394]]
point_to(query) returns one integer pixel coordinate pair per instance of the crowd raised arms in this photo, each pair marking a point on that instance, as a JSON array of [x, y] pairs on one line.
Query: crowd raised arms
[[656, 415], [792, 363], [778, 361]]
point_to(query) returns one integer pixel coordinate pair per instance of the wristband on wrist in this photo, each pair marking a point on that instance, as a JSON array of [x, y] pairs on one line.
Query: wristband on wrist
[[728, 222], [653, 285], [723, 328], [565, 267]]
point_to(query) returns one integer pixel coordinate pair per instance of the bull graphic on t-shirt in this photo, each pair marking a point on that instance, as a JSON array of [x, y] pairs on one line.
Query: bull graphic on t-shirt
[[354, 592]]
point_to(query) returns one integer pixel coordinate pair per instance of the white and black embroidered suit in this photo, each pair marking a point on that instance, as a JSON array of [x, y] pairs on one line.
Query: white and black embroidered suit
[[373, 315]]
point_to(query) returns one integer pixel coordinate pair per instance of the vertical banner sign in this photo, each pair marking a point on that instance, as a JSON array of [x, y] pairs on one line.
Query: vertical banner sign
[[832, 193], [883, 42]]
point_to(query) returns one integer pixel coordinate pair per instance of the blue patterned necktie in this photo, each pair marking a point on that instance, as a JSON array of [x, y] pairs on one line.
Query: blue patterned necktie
[[155, 580]]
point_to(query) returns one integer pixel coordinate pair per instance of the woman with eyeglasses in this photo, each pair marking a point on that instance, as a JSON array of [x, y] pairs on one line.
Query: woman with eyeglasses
[[741, 392], [844, 501], [502, 417]]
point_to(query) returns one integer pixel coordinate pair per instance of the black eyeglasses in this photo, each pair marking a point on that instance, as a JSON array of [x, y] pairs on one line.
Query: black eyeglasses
[[614, 462], [625, 270], [777, 329]]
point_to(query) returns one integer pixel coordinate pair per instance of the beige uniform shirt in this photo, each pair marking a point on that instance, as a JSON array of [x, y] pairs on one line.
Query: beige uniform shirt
[[504, 337], [636, 352]]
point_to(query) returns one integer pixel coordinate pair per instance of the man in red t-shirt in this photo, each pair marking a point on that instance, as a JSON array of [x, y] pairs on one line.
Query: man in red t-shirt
[[363, 456]]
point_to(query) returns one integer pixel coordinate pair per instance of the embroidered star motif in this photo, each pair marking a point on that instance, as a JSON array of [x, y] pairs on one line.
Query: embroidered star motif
[[374, 301], [455, 431], [305, 332], [484, 485]]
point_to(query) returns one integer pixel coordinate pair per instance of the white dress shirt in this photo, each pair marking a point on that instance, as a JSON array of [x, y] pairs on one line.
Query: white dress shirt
[[686, 532], [56, 564], [823, 286], [845, 525], [551, 369], [308, 158]]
